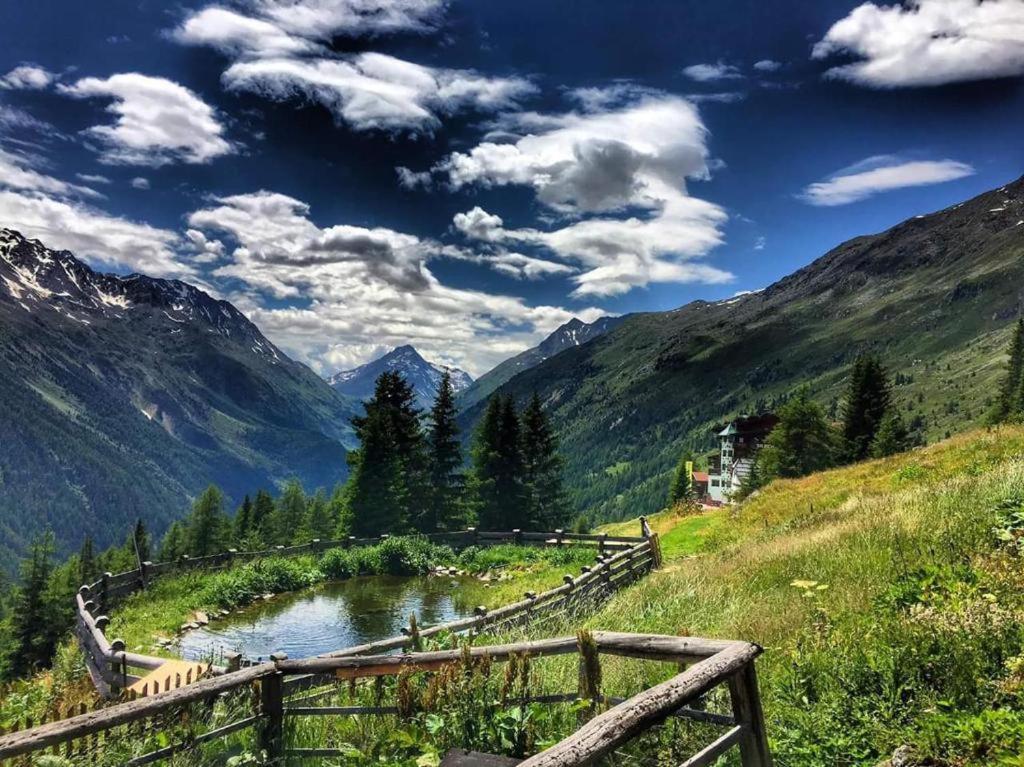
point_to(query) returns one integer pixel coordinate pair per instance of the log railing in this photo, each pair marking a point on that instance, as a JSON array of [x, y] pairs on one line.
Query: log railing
[[708, 664], [619, 561]]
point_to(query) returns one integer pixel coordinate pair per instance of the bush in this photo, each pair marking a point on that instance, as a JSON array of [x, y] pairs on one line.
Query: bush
[[339, 564], [266, 576], [410, 556]]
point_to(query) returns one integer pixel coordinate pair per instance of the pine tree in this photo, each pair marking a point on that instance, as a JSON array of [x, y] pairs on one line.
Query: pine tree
[[207, 525], [87, 568], [33, 618], [802, 441], [375, 483], [546, 505], [1009, 404], [243, 519], [681, 488], [263, 510], [174, 543], [141, 543], [289, 515], [443, 510], [867, 400], [319, 523], [486, 457], [892, 436]]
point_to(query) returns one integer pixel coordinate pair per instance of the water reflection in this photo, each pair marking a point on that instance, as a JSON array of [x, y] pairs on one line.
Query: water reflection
[[329, 617]]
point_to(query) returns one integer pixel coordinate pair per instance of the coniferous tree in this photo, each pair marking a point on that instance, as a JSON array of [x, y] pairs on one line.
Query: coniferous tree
[[868, 398], [263, 509], [319, 523], [681, 488], [175, 542], [289, 515], [547, 507], [87, 567], [375, 484], [892, 436], [1009, 403], [802, 441], [141, 543], [243, 519], [485, 491], [443, 510], [33, 617], [207, 525]]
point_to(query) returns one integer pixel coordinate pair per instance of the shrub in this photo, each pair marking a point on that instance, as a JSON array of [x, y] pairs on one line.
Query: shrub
[[339, 564], [410, 556], [266, 576]]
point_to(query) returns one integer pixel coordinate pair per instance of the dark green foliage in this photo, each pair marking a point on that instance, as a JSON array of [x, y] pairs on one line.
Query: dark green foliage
[[175, 542], [262, 513], [681, 489], [141, 542], [208, 526], [244, 519], [802, 442], [444, 509], [486, 465], [498, 468], [868, 398], [287, 521], [546, 504], [1009, 404], [376, 491], [87, 568], [319, 520], [892, 436], [34, 624]]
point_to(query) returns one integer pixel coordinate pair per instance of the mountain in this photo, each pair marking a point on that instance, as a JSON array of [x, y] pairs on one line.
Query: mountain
[[572, 333], [935, 296], [125, 396], [422, 375]]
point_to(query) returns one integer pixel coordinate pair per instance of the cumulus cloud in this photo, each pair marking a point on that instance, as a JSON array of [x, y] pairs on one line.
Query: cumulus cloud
[[708, 73], [633, 162], [360, 287], [158, 121], [235, 34], [927, 42], [767, 65], [205, 249], [139, 183], [27, 77], [372, 91], [881, 174], [102, 239], [17, 172]]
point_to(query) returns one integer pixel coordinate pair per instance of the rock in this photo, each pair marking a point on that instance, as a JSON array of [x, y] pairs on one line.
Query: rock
[[903, 757], [224, 613], [268, 596], [201, 618]]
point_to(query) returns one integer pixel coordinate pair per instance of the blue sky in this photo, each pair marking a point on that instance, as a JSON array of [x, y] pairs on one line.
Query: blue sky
[[466, 176]]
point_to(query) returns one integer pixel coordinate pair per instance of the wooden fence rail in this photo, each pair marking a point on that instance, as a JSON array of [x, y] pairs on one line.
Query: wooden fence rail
[[620, 560], [710, 663]]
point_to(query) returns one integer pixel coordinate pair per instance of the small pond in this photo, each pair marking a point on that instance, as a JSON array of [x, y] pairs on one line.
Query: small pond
[[330, 616]]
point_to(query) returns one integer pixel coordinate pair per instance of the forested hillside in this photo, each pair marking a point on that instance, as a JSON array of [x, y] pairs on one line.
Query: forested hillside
[[933, 297], [124, 397]]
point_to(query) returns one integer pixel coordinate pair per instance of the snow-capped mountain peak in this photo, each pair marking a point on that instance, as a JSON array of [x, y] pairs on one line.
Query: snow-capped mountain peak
[[424, 376]]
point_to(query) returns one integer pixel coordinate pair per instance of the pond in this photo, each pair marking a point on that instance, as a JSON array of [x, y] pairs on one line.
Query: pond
[[330, 616]]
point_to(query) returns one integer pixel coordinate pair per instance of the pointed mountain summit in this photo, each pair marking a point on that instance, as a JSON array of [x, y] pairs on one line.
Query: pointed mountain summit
[[571, 334], [424, 376], [126, 396]]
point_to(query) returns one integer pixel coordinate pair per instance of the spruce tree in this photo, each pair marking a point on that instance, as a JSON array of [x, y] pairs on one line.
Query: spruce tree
[[443, 510], [319, 523], [375, 484], [174, 543], [87, 568], [141, 543], [681, 488], [243, 519], [485, 491], [263, 509], [33, 617], [802, 441], [868, 398], [892, 436], [546, 505], [289, 515], [1009, 404], [207, 525]]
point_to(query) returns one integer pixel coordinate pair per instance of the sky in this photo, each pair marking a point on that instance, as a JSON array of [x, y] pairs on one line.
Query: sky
[[467, 176]]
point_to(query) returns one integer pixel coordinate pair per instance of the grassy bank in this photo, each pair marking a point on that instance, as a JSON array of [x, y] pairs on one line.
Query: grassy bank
[[889, 597]]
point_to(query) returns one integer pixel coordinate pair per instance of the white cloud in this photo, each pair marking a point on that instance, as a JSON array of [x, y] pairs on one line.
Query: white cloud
[[372, 91], [881, 174], [767, 65], [708, 73], [104, 240], [928, 42], [139, 183], [92, 178], [17, 172], [363, 287], [636, 158], [324, 19], [206, 250], [235, 34], [409, 179], [27, 77], [158, 121], [760, 242]]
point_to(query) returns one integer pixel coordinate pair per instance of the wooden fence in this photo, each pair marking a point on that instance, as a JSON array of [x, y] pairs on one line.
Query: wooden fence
[[619, 561], [707, 664]]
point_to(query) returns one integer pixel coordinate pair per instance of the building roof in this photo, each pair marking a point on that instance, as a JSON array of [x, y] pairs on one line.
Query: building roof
[[700, 476]]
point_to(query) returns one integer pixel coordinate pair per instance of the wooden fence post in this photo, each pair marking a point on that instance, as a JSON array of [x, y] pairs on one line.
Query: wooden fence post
[[272, 710], [474, 535], [746, 709], [104, 587], [602, 544], [558, 536], [517, 536]]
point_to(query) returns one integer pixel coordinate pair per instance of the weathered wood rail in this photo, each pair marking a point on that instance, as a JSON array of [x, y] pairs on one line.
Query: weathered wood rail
[[619, 561], [708, 664]]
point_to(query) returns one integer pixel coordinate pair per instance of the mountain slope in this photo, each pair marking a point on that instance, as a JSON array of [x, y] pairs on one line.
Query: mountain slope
[[934, 296], [124, 396], [572, 333], [424, 376]]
